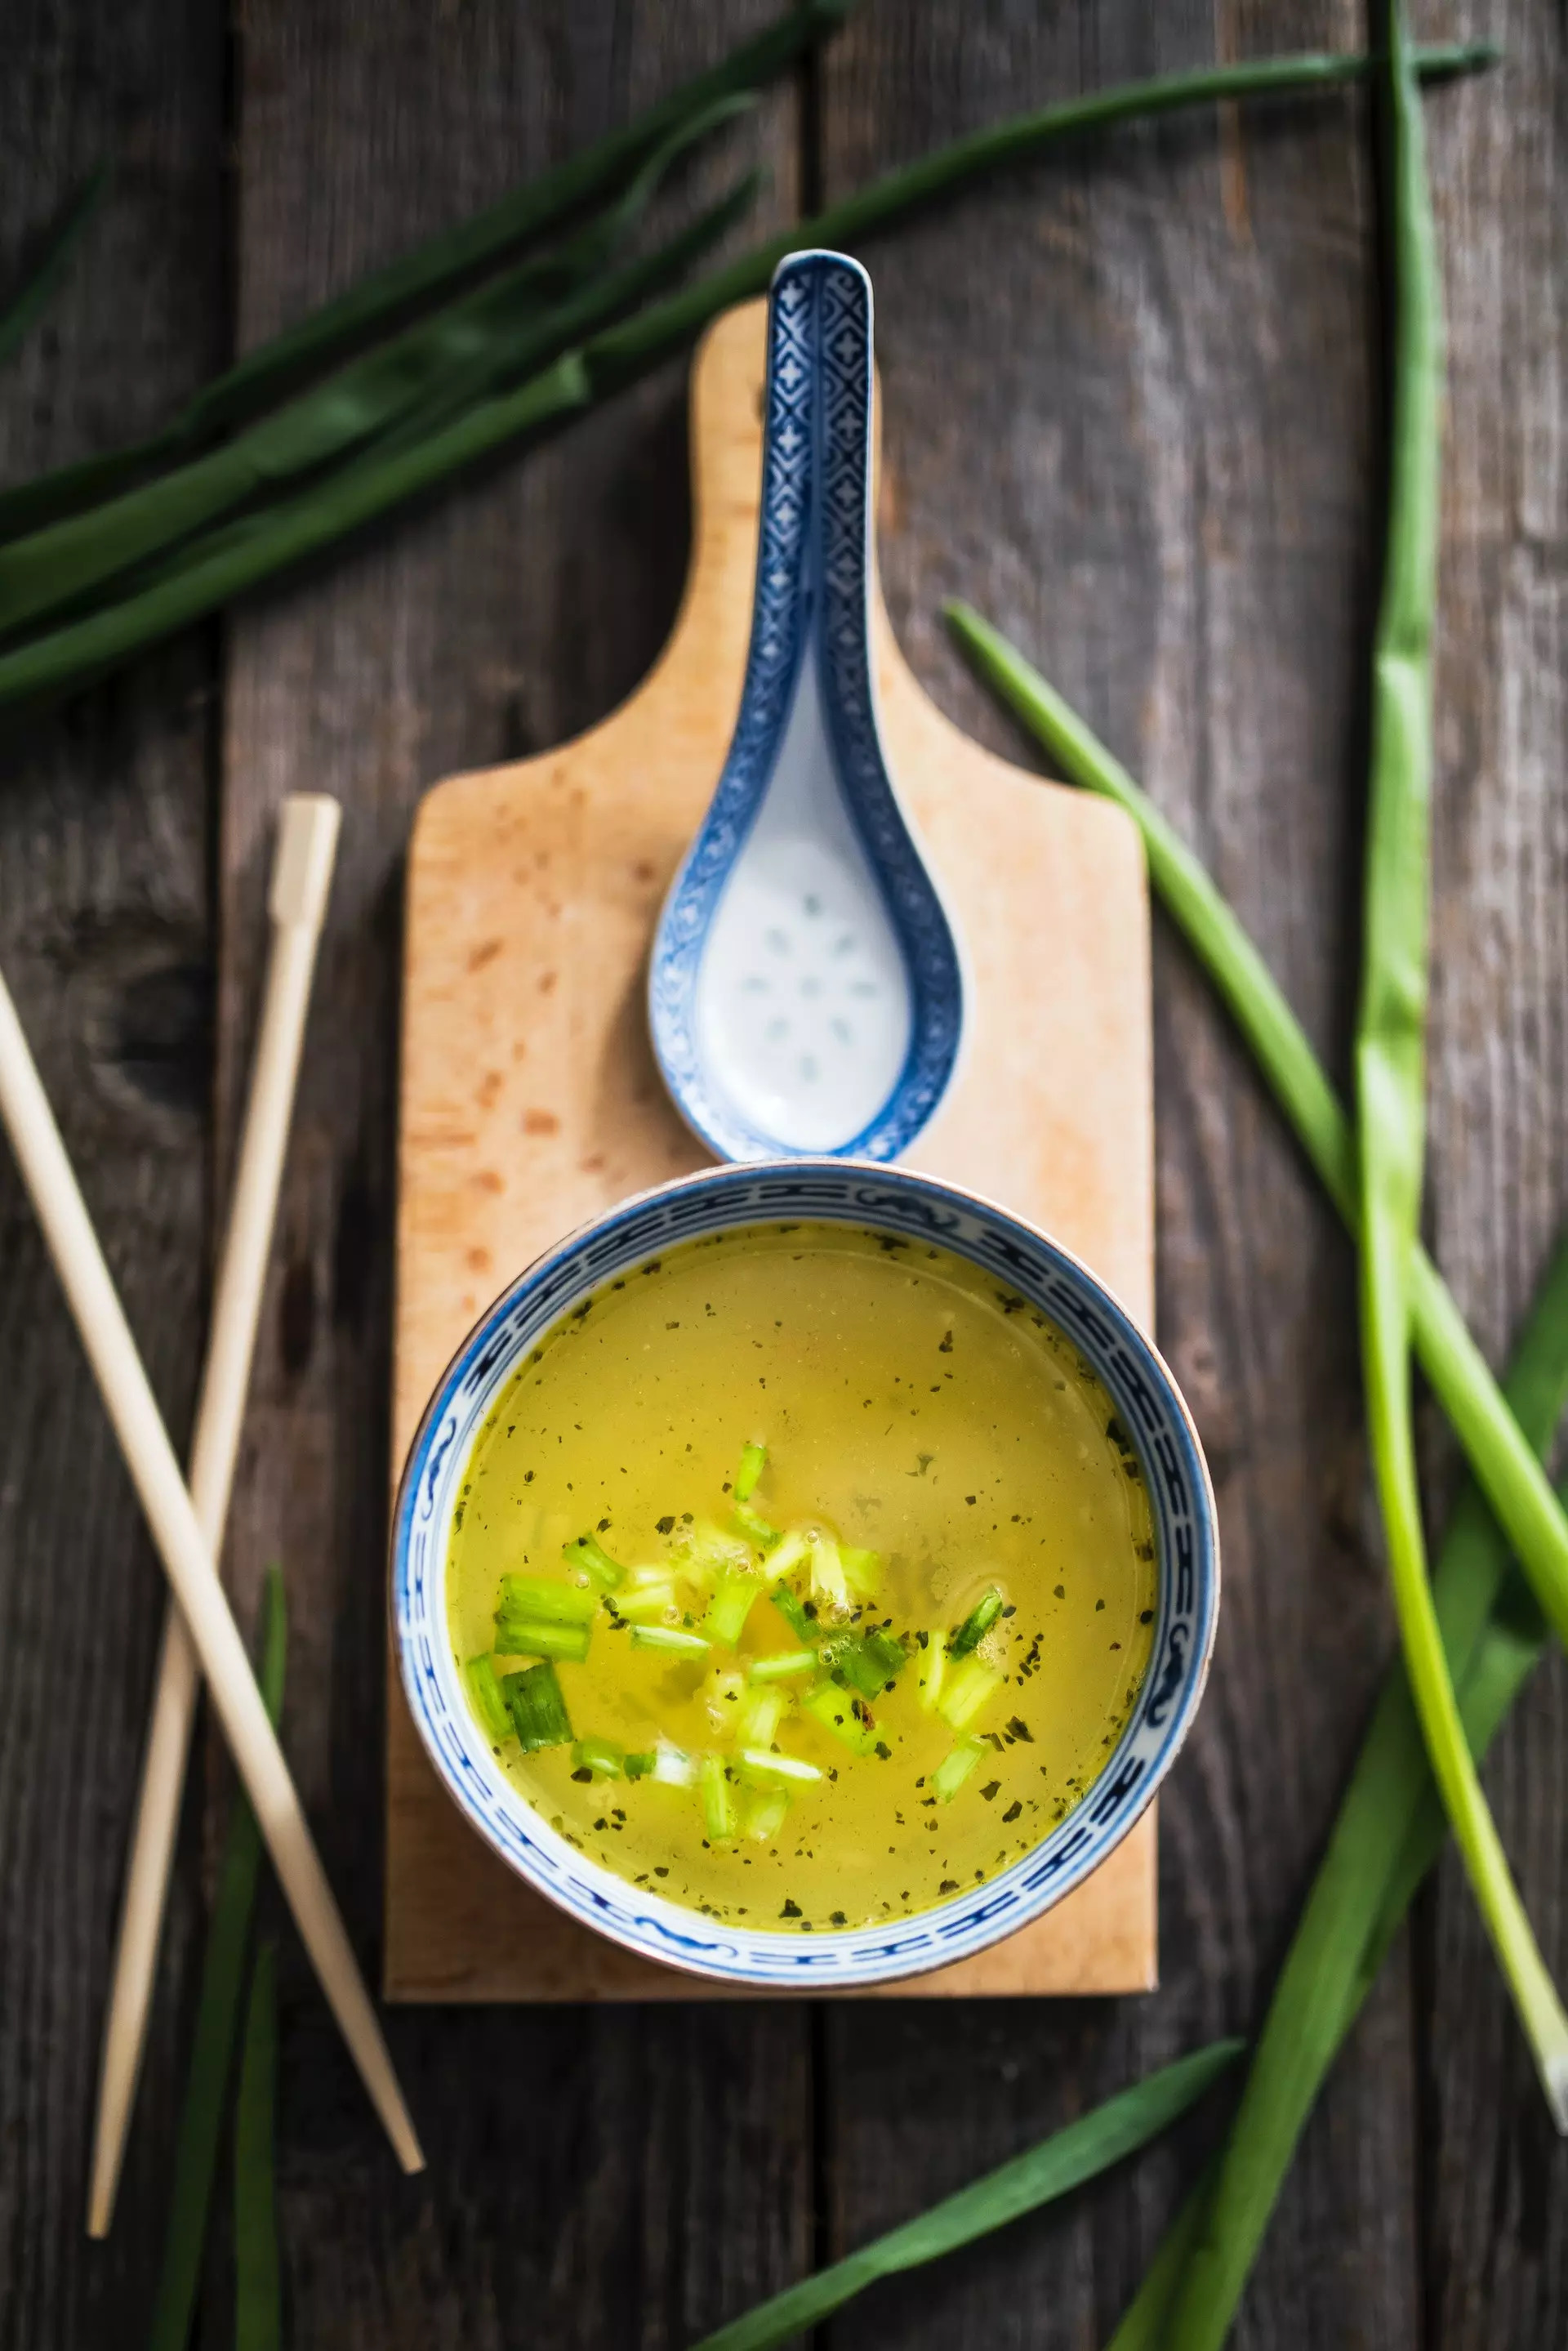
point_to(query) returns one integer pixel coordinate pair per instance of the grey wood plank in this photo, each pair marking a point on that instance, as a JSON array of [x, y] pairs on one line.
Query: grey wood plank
[[594, 2178], [1497, 2250], [1126, 415], [104, 938]]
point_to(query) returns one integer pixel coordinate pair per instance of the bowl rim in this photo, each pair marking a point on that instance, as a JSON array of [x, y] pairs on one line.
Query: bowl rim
[[676, 1935]]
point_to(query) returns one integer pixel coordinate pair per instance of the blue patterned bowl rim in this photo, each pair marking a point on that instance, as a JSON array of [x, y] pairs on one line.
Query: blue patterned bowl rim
[[893, 1200], [812, 601]]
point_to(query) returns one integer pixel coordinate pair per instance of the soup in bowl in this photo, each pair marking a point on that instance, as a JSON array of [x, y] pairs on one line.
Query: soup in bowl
[[805, 1573]]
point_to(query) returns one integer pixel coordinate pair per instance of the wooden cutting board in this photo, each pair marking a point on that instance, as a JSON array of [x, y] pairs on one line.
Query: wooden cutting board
[[530, 1103]]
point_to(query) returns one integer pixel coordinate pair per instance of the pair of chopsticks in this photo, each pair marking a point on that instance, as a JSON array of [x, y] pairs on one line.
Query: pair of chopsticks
[[200, 1633]]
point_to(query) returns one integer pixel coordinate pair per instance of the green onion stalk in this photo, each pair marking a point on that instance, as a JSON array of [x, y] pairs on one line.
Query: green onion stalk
[[258, 2269], [218, 2014], [1078, 2152], [1503, 1462], [1390, 1053], [1391, 1824], [431, 272], [400, 390], [215, 566]]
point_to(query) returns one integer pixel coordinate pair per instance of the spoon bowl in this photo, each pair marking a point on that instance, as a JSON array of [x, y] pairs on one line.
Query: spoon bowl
[[805, 991]]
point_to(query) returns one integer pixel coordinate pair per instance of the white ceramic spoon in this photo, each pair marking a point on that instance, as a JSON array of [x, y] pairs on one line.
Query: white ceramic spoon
[[804, 991]]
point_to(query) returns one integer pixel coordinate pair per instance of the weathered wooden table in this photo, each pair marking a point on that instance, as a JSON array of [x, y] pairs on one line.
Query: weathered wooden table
[[1132, 411]]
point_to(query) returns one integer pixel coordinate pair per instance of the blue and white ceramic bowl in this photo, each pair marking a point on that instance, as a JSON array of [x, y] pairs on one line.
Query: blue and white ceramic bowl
[[884, 1199]]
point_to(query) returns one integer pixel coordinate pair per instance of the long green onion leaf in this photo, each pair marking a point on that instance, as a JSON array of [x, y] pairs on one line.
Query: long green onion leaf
[[1475, 1556], [217, 2025], [526, 214], [238, 555], [1145, 2324], [433, 272], [1514, 1482], [1388, 1832], [1080, 2151], [258, 2276], [408, 386], [231, 559], [28, 305], [1391, 1054]]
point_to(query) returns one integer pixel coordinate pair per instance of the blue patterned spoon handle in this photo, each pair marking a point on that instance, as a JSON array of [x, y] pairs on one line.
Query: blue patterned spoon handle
[[804, 992]]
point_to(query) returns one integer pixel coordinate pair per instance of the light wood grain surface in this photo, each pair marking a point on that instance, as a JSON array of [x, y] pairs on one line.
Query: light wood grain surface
[[1133, 412], [530, 1104]]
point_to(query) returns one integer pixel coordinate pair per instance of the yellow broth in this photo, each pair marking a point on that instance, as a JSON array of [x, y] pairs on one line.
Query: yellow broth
[[911, 1409]]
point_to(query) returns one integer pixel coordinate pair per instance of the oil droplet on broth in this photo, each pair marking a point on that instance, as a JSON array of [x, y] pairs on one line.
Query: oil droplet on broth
[[943, 1437]]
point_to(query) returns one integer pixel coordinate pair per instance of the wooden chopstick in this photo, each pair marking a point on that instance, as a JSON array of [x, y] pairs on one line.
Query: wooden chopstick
[[188, 1562], [303, 857]]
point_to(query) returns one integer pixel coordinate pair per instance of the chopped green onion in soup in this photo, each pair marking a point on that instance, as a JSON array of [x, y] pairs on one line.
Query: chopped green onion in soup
[[840, 1665]]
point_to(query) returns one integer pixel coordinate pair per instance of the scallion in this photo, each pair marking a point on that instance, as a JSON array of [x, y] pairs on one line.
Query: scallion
[[763, 1813], [538, 1711], [862, 1569], [546, 1600], [646, 1603], [484, 1695], [775, 1769], [433, 271], [258, 2273], [785, 1665], [976, 1623], [602, 1757], [968, 1685], [392, 396], [793, 1609], [218, 565], [828, 1587], [846, 1717], [1389, 1832], [1509, 1473], [707, 1551], [1391, 1060], [754, 1461], [218, 2009], [930, 1671], [718, 1800], [786, 1555], [761, 1712], [669, 1638], [752, 1523], [589, 1554], [525, 1636], [955, 1768], [1078, 2152], [866, 1662], [732, 1604]]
